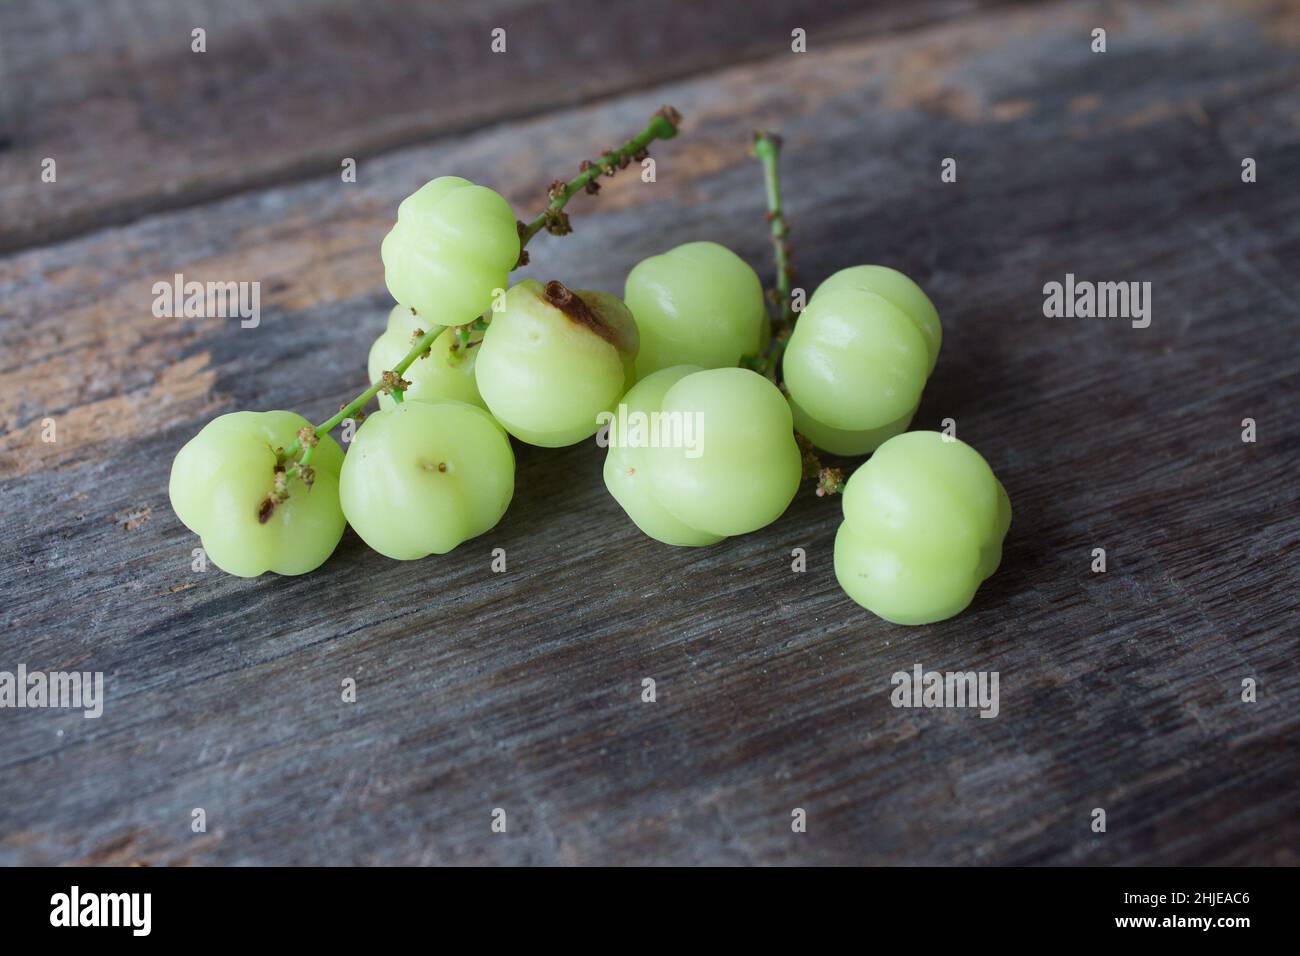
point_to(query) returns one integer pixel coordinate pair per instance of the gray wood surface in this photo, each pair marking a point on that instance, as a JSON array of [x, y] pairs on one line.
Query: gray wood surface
[[138, 121], [522, 690]]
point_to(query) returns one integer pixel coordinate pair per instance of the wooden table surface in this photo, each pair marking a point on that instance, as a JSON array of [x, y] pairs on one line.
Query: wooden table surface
[[521, 690]]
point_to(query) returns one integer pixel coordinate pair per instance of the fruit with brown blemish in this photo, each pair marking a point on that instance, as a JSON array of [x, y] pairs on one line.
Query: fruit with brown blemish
[[553, 359]]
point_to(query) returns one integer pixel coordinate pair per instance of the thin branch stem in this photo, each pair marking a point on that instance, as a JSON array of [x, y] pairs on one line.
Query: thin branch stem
[[349, 410], [767, 147], [663, 125]]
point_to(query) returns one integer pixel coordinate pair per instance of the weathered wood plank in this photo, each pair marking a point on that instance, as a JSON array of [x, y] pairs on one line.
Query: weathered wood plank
[[521, 690], [137, 121]]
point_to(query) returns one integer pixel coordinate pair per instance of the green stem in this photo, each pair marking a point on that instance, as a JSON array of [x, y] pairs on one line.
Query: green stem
[[663, 125], [351, 408], [767, 147]]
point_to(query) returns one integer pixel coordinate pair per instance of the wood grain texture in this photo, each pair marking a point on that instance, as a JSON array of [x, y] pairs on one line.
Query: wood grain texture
[[521, 690], [137, 121]]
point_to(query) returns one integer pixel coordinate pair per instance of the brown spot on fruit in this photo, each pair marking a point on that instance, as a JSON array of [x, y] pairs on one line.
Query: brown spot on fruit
[[575, 310]]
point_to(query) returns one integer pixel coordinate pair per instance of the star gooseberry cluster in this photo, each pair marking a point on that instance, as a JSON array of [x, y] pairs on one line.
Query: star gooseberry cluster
[[467, 362]]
